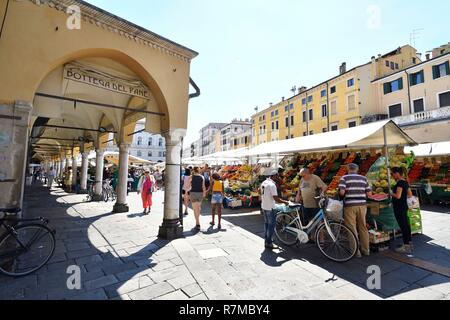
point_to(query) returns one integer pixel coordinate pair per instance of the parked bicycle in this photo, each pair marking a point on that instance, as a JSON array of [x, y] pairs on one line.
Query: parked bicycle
[[108, 192], [27, 245], [334, 240]]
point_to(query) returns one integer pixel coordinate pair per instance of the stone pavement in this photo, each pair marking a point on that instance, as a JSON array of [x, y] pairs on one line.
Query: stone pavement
[[121, 258]]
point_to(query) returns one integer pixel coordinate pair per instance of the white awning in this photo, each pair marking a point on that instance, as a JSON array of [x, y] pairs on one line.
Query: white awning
[[364, 136], [430, 150]]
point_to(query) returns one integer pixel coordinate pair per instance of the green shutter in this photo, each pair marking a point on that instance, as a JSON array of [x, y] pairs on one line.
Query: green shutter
[[387, 87], [423, 76], [447, 67], [411, 80], [400, 84], [435, 72]]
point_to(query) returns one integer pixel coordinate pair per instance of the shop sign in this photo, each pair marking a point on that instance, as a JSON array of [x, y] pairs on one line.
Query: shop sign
[[102, 80]]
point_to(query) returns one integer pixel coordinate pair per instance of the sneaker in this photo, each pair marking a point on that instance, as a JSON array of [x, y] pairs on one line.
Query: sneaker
[[406, 249], [358, 254]]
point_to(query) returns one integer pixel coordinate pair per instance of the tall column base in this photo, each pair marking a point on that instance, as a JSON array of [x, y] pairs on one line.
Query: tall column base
[[170, 230], [97, 198], [121, 208], [83, 191]]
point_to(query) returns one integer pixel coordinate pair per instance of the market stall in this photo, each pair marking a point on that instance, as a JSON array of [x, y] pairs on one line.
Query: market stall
[[373, 147], [430, 173]]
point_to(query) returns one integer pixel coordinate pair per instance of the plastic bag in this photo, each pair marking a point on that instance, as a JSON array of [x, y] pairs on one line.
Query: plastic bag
[[413, 203], [335, 210], [428, 189]]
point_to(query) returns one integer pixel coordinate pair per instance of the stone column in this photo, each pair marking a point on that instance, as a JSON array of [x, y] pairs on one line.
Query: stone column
[[99, 160], [61, 167], [67, 162], [84, 172], [171, 227], [74, 173], [121, 204], [14, 152]]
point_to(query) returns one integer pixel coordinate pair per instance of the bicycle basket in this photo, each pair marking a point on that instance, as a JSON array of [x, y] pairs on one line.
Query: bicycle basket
[[335, 210]]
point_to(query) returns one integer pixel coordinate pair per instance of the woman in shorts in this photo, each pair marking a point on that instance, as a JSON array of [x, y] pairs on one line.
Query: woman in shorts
[[218, 192], [198, 193], [186, 189]]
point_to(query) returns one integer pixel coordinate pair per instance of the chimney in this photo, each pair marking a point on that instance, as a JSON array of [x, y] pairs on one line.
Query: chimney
[[302, 89], [282, 98], [343, 68], [428, 56], [271, 104]]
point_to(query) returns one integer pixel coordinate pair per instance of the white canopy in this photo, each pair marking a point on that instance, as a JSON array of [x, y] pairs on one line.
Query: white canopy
[[364, 136], [430, 150]]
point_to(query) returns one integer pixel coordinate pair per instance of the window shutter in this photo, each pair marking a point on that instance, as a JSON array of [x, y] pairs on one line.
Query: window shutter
[[423, 76], [447, 67], [386, 87], [411, 79], [435, 72], [400, 84]]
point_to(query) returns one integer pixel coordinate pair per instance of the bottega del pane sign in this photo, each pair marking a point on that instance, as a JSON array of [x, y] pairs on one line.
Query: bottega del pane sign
[[105, 81]]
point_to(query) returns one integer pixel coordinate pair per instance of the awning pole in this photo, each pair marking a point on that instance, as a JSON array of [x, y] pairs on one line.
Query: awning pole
[[386, 154]]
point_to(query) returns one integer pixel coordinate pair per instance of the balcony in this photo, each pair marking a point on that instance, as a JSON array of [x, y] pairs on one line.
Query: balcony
[[423, 117]]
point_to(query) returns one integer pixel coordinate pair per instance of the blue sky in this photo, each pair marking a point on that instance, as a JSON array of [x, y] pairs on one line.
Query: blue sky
[[253, 51]]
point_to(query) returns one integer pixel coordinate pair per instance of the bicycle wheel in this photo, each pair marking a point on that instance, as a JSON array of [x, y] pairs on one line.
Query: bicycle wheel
[[286, 237], [105, 195], [26, 252], [341, 250]]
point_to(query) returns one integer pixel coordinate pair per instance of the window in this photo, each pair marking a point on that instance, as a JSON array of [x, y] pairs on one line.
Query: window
[[276, 112], [286, 122], [303, 101], [286, 109], [160, 154], [392, 66], [160, 142], [333, 89], [273, 126], [276, 125], [324, 111], [395, 111], [351, 103], [304, 117], [416, 78], [310, 98], [292, 106], [393, 86], [396, 66], [292, 136], [387, 63], [350, 83], [441, 70], [305, 134], [324, 130], [352, 124], [311, 114], [287, 138], [323, 93], [292, 121], [264, 117], [150, 142], [414, 60], [272, 114], [418, 105], [333, 107], [164, 154], [444, 99], [139, 142], [311, 133], [139, 154], [334, 127], [150, 154]]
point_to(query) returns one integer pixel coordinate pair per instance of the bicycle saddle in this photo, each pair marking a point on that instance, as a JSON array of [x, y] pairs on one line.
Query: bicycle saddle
[[10, 210]]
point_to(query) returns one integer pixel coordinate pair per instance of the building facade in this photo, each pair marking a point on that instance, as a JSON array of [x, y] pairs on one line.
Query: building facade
[[344, 101], [418, 98], [235, 135], [208, 138]]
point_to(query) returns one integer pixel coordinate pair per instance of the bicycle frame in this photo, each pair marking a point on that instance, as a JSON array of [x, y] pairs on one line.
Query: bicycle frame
[[318, 220]]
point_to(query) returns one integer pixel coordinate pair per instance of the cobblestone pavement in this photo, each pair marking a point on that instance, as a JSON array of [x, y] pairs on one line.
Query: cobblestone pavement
[[121, 258]]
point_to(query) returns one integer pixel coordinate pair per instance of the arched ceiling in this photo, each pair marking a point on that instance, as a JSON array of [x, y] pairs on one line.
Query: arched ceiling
[[84, 116]]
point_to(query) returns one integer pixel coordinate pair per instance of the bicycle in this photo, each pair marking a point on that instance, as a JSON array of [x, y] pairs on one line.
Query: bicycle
[[108, 191], [26, 246], [334, 240]]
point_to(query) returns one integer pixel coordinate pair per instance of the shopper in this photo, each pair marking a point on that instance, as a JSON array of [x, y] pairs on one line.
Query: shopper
[[198, 193], [51, 176], [186, 189], [206, 172], [145, 188], [310, 187], [270, 197], [400, 194], [355, 189], [218, 192]]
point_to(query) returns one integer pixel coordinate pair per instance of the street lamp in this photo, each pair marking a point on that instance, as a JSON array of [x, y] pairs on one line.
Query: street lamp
[[293, 90]]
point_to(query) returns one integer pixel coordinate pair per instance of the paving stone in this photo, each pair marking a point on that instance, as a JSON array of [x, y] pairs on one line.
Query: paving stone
[[113, 269], [182, 281], [411, 274], [163, 266], [200, 297], [177, 295], [192, 290], [100, 282], [151, 292], [82, 253], [77, 246], [87, 260], [415, 292], [212, 253], [133, 273], [92, 295], [436, 282]]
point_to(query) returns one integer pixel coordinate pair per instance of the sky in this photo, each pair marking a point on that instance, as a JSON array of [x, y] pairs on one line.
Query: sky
[[252, 52]]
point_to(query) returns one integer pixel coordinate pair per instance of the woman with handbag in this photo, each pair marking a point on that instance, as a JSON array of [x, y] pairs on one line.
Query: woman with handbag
[[145, 188]]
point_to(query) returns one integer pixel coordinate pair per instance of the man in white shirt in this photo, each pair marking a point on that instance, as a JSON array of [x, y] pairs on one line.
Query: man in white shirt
[[51, 176], [270, 197]]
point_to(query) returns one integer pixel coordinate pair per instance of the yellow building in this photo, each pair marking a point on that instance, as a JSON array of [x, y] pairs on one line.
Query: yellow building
[[340, 102]]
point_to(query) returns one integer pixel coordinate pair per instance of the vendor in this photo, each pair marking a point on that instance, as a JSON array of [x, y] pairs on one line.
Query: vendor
[[310, 187]]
